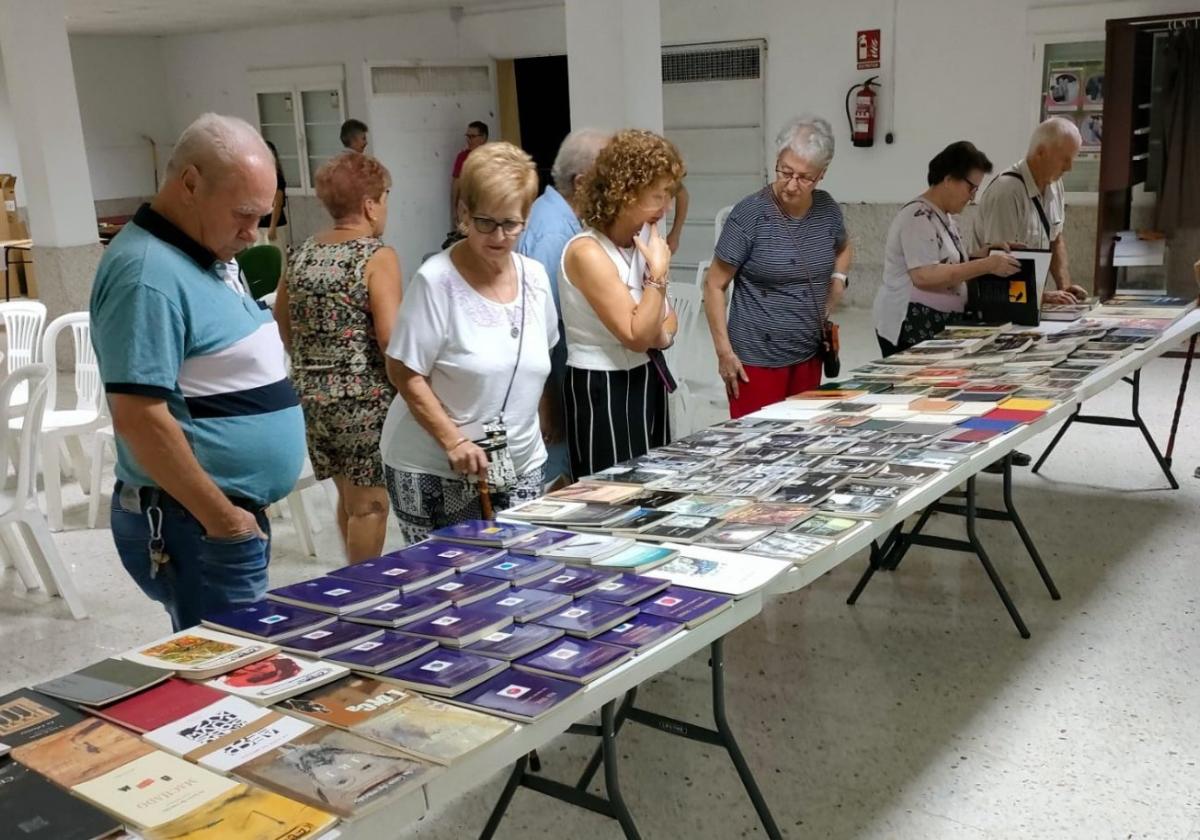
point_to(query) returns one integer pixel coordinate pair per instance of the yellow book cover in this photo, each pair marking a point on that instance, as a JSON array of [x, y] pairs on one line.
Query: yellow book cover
[[247, 813], [1025, 404]]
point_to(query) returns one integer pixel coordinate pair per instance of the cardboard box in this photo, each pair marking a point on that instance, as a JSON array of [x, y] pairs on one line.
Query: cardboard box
[[10, 222]]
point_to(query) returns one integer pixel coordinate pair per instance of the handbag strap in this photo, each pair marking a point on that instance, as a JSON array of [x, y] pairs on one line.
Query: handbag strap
[[520, 342]]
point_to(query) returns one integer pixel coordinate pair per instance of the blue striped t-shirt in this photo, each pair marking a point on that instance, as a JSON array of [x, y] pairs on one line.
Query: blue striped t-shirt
[[782, 279]]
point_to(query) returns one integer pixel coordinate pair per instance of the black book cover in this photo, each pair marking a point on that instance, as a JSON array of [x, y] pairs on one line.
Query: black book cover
[[33, 808], [26, 715]]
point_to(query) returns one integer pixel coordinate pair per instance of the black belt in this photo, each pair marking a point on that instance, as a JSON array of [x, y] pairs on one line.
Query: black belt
[[150, 496]]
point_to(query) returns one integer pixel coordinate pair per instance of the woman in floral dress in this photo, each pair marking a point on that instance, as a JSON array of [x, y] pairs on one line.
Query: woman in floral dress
[[336, 308]]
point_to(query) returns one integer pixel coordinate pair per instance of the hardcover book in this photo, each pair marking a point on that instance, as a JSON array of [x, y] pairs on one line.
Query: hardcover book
[[38, 810], [247, 813], [574, 581], [464, 590], [452, 555], [524, 605], [458, 626], [588, 617], [515, 641], [267, 620], [331, 639], [278, 678], [102, 682], [628, 589], [333, 594], [444, 672], [641, 632], [519, 569], [403, 610], [382, 653], [485, 532], [81, 752], [574, 660], [199, 653], [520, 696], [160, 705], [405, 574], [689, 606], [26, 715]]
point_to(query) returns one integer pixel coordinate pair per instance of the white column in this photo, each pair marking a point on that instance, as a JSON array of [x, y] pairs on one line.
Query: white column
[[45, 110], [614, 64]]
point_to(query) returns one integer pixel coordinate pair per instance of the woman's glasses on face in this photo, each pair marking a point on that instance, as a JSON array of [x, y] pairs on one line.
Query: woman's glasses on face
[[800, 178], [487, 225]]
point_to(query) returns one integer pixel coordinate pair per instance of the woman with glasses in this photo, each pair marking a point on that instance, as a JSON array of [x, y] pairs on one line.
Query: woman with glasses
[[470, 356], [925, 263], [335, 307], [787, 249], [613, 289]]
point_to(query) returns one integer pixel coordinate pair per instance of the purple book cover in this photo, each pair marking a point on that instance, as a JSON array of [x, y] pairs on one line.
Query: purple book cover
[[519, 567], [391, 570], [588, 617], [514, 641], [444, 668], [399, 611], [452, 555], [331, 637], [679, 603], [375, 653], [575, 581], [578, 660], [332, 594], [485, 532], [268, 620], [629, 589], [520, 695], [453, 624], [540, 543], [524, 604], [641, 632], [466, 589]]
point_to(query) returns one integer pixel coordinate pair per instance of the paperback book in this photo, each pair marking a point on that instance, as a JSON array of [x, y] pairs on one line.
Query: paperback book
[[331, 639], [334, 595], [519, 569], [248, 813], [458, 626], [638, 558], [628, 589], [453, 555], [827, 526], [40, 811], [574, 660], [586, 549], [405, 574], [520, 696], [792, 547], [268, 620], [734, 537], [230, 751], [681, 528], [82, 752], [515, 641], [403, 610], [283, 675], [444, 672], [692, 607], [386, 651], [224, 717], [199, 653], [574, 581], [484, 532], [160, 705], [720, 571], [524, 605], [588, 617], [641, 632], [464, 590], [103, 682]]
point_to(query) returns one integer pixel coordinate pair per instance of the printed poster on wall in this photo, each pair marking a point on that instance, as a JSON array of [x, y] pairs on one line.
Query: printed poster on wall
[[1064, 88], [1091, 129]]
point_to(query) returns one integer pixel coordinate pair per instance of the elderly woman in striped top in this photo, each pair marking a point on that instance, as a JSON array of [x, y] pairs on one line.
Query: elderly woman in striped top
[[787, 248]]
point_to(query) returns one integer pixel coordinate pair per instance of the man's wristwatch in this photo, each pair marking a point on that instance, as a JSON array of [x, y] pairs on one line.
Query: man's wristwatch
[[837, 275]]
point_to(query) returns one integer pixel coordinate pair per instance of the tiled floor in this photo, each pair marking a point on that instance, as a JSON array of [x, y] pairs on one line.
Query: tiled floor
[[919, 713]]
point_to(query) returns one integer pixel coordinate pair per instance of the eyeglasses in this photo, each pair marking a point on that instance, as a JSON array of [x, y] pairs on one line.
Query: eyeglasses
[[487, 225], [471, 136], [974, 187], [800, 178]]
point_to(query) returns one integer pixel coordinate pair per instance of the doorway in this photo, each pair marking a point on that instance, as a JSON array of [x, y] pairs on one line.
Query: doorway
[[543, 109]]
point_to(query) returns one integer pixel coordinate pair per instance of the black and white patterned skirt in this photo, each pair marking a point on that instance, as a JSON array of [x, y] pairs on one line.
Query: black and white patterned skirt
[[424, 502]]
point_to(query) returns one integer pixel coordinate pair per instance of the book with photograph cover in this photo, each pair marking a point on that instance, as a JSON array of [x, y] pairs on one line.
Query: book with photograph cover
[[827, 526], [792, 547], [607, 492], [864, 507], [235, 748], [858, 467], [681, 528], [734, 537], [542, 510], [283, 675], [720, 571], [716, 507], [779, 515], [640, 519], [901, 474], [876, 489]]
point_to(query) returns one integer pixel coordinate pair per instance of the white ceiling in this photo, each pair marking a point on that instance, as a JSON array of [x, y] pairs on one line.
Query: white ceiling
[[164, 17]]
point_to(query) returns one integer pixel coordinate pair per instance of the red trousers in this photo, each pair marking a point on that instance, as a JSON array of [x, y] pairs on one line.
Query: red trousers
[[771, 385]]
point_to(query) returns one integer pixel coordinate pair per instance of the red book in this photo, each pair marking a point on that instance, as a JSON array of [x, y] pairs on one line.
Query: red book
[[163, 704], [975, 435], [1019, 414]]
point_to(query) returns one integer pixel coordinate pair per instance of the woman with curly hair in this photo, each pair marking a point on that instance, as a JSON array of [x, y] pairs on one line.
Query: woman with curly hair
[[787, 248], [614, 303]]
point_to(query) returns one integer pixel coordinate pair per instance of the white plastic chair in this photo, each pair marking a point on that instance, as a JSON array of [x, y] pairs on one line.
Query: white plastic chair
[[66, 427], [24, 321], [101, 441], [722, 215], [700, 398], [23, 527]]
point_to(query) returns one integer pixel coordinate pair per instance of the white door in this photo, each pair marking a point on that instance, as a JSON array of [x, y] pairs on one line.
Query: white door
[[418, 116]]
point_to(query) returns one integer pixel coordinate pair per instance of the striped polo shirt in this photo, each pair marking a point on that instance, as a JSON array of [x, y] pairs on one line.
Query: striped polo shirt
[[783, 267], [171, 321]]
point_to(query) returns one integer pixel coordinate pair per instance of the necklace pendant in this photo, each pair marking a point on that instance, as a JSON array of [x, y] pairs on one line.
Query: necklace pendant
[[514, 332]]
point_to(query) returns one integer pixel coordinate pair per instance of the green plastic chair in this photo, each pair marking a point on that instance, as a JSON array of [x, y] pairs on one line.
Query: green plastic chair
[[262, 265]]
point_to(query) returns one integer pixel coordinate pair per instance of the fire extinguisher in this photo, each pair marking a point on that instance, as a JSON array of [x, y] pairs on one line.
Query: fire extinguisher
[[862, 121]]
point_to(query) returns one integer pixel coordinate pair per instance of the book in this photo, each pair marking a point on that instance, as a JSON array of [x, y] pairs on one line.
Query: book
[[1014, 414], [387, 651], [224, 717], [102, 682], [860, 467], [901, 474], [524, 605], [720, 571], [827, 526], [681, 528], [588, 548], [458, 626], [520, 696], [574, 660], [267, 620], [639, 519], [800, 493], [628, 589], [484, 533], [283, 675], [876, 489], [82, 752], [641, 632], [331, 639], [864, 507], [790, 547], [543, 510], [38, 810], [986, 423], [199, 653], [608, 492], [444, 672], [26, 715], [333, 594], [247, 813], [403, 573], [160, 705], [403, 610], [588, 617], [154, 789], [637, 558], [453, 555], [780, 515], [929, 458], [1026, 404], [519, 569], [230, 751], [574, 581], [538, 544], [689, 606], [464, 590], [593, 515], [338, 771], [716, 507], [735, 537], [346, 703], [514, 641]]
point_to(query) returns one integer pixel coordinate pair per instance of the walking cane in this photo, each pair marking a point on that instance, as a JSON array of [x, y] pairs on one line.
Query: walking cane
[[485, 498]]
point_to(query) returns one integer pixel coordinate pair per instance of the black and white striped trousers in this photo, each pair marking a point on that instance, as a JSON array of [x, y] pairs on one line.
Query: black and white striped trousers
[[613, 415]]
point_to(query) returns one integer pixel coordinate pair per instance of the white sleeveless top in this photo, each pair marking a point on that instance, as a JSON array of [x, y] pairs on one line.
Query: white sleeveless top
[[590, 346]]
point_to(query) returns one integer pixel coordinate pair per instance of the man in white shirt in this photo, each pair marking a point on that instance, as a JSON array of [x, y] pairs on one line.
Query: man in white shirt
[[1025, 204]]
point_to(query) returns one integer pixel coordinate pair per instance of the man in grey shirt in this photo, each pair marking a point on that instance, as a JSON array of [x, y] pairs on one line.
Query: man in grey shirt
[[1025, 204]]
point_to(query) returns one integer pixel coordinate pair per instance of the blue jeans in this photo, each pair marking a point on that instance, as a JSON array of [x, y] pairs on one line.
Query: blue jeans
[[204, 575]]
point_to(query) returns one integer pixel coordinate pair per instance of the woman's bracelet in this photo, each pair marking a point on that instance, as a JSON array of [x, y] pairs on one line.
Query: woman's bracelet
[[650, 282], [455, 445]]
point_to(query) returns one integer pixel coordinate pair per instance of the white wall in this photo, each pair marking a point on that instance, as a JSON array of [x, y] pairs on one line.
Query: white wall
[[10, 159]]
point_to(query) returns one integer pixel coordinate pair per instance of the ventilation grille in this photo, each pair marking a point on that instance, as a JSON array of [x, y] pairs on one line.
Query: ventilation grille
[[417, 80], [710, 65]]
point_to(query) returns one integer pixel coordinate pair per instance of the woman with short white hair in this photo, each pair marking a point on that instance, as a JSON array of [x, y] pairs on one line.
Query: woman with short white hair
[[787, 248]]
